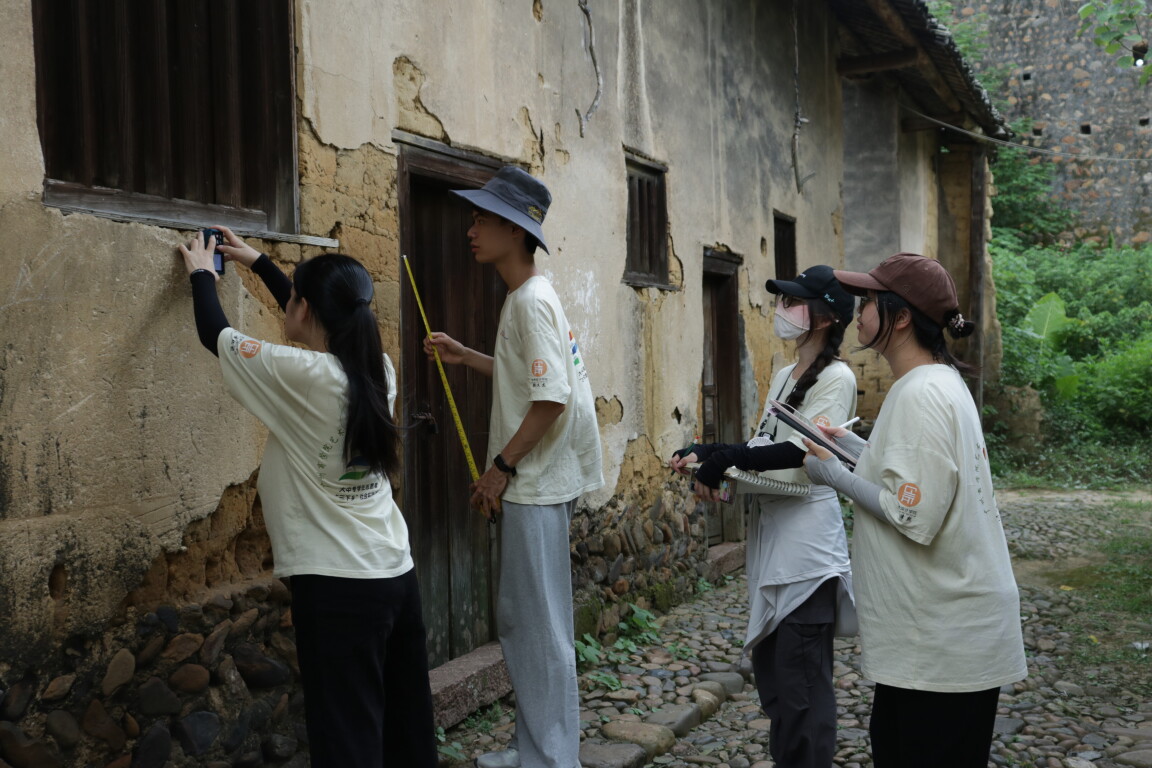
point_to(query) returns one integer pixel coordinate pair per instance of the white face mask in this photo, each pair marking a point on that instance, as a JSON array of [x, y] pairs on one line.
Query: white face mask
[[791, 323]]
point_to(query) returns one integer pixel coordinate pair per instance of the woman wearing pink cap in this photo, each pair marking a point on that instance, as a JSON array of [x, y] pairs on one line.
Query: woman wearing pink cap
[[937, 602]]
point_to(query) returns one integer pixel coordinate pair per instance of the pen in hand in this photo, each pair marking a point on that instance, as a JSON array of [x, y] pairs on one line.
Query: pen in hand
[[849, 423]]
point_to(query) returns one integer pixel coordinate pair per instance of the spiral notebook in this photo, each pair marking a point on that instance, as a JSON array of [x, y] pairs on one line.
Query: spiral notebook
[[740, 481]]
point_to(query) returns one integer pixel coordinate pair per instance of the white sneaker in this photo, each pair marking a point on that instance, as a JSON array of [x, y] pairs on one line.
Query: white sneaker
[[508, 758]]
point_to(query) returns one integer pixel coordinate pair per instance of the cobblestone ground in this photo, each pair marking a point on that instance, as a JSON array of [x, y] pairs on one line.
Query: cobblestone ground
[[688, 700]]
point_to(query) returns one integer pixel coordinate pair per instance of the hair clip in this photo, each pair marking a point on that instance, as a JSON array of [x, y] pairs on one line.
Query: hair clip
[[957, 322]]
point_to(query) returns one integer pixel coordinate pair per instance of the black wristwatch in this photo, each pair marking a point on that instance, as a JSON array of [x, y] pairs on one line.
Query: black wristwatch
[[502, 465]]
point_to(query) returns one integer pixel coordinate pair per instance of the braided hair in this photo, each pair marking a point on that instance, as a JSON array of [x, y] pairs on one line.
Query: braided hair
[[818, 310]]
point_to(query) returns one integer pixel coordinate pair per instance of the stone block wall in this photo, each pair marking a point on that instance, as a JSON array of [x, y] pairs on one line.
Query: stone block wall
[[1082, 104], [648, 545], [211, 683]]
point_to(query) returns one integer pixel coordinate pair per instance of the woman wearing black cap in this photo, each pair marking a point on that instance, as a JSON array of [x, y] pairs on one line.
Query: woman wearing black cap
[[799, 580], [939, 607]]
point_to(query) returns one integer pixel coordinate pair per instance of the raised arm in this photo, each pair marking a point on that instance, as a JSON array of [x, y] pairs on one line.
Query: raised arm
[[238, 251]]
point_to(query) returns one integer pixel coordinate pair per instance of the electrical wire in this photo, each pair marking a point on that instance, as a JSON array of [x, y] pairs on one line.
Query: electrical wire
[[1027, 147]]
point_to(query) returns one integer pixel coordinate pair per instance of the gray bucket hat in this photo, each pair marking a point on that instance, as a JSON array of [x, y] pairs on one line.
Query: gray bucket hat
[[516, 195]]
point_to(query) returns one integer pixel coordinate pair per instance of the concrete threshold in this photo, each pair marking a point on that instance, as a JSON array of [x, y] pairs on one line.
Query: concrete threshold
[[467, 683]]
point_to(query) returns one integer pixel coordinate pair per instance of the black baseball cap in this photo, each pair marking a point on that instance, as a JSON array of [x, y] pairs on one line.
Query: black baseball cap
[[515, 195], [818, 282]]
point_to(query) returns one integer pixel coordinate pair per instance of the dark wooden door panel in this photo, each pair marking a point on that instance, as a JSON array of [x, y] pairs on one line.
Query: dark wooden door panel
[[453, 546]]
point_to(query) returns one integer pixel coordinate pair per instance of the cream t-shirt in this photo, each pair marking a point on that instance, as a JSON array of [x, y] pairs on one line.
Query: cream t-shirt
[[938, 603], [325, 516], [829, 402], [536, 358]]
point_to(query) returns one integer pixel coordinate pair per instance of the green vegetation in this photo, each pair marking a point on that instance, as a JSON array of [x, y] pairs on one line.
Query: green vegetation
[[1114, 597], [484, 720], [1119, 28], [453, 750], [639, 630], [1076, 325], [606, 679]]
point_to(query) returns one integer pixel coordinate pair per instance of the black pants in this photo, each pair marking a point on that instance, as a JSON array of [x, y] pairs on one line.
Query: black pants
[[793, 667], [913, 729], [364, 665]]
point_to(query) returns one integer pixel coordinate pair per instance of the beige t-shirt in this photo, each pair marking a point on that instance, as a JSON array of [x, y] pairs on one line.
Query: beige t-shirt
[[325, 516], [938, 603], [830, 402], [537, 358]]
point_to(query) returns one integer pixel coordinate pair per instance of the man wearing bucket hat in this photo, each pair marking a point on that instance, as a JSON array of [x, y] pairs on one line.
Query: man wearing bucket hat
[[799, 576], [543, 452], [938, 604]]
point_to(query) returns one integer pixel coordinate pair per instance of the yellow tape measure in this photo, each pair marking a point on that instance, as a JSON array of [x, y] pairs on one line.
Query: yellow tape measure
[[444, 378]]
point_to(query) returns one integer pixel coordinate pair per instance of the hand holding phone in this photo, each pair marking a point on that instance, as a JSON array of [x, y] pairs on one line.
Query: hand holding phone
[[217, 256]]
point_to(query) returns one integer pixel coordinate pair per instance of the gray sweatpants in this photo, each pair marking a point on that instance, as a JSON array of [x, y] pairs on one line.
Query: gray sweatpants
[[534, 622]]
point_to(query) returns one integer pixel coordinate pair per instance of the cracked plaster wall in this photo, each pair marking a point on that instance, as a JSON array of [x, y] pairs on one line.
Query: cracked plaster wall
[[112, 418]]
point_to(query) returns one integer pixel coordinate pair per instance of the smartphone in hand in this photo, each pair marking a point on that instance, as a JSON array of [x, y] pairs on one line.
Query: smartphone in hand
[[217, 257]]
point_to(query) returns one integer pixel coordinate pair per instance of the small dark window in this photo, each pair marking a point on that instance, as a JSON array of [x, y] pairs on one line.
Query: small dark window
[[1144, 121], [1037, 131], [173, 109], [1086, 128], [785, 242], [647, 259], [1026, 76]]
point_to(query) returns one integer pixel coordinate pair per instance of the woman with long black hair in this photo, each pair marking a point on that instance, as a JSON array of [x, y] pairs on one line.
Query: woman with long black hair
[[939, 607], [799, 579], [327, 499]]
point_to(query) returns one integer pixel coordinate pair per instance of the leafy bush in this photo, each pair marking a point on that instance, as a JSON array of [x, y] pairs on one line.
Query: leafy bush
[[1076, 326], [1118, 391], [1023, 201]]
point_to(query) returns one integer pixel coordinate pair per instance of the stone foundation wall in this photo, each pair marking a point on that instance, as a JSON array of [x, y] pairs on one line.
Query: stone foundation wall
[[210, 683]]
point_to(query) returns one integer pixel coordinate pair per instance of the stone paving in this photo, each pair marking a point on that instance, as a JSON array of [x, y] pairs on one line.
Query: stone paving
[[688, 701]]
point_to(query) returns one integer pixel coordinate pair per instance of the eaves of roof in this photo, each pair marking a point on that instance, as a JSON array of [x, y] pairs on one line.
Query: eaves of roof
[[936, 77]]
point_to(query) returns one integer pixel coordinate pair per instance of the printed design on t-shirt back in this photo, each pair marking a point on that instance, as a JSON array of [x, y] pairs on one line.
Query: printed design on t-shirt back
[[581, 371], [357, 469], [980, 471]]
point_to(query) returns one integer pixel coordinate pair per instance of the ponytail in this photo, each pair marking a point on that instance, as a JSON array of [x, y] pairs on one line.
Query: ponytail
[[339, 291], [928, 333], [830, 352]]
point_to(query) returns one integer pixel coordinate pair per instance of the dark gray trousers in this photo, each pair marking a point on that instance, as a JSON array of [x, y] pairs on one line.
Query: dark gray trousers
[[793, 667]]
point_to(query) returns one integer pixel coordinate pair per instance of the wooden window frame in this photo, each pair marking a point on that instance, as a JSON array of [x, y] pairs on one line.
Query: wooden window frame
[[123, 141], [646, 262], [784, 250]]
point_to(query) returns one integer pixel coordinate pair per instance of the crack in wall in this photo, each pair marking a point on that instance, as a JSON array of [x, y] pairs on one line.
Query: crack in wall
[[587, 115], [407, 81]]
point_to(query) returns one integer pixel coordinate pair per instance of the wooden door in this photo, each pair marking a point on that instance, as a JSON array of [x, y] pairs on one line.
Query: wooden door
[[453, 546], [720, 387]]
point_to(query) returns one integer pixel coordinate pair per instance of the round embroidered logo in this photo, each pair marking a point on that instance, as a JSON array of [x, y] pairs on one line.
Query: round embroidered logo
[[249, 348], [822, 421], [539, 367], [908, 495]]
